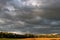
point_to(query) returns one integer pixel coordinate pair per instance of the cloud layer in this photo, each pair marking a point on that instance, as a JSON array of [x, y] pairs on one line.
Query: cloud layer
[[33, 16]]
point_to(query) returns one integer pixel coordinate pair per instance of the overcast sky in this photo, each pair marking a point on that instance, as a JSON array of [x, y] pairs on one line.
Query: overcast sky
[[33, 16]]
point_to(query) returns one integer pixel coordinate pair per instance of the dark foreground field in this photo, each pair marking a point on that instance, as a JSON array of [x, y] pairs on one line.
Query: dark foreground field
[[12, 39], [7, 39]]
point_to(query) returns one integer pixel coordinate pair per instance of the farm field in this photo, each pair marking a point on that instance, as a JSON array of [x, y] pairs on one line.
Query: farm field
[[7, 39], [10, 39], [31, 39]]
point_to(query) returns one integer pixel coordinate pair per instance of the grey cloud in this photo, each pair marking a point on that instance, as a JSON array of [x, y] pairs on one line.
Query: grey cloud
[[23, 16]]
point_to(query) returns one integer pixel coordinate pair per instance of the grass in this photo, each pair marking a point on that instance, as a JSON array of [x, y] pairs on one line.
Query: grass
[[30, 39], [10, 39], [13, 39]]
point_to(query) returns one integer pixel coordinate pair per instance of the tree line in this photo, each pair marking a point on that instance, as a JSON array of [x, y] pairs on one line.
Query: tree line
[[13, 35]]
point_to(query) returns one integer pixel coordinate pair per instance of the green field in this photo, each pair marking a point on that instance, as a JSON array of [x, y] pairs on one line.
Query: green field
[[9, 39]]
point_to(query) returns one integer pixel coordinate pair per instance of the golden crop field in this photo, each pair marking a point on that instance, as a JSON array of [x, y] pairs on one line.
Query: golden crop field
[[42, 39], [31, 39]]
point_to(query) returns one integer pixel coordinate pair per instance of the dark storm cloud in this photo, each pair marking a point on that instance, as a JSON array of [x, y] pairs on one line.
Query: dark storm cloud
[[34, 16]]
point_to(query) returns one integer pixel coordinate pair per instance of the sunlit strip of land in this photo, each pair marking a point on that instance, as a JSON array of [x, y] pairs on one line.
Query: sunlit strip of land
[[42, 39], [30, 39]]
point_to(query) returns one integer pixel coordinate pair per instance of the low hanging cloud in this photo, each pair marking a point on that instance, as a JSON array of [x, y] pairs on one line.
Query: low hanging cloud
[[33, 16]]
